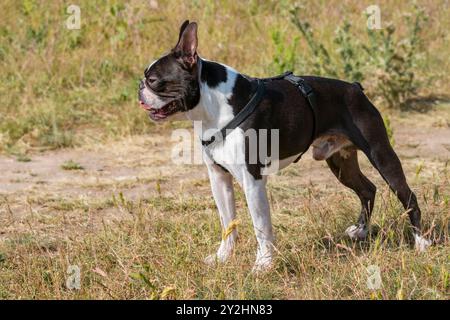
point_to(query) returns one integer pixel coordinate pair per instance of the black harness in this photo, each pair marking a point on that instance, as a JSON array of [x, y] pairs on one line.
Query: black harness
[[254, 101]]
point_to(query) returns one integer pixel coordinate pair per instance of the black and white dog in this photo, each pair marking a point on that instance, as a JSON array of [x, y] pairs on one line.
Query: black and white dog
[[344, 121]]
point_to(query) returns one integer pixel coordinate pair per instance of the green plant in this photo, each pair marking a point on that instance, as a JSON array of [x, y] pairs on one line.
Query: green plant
[[23, 158], [395, 59], [285, 58], [389, 60], [71, 165], [348, 48], [320, 58]]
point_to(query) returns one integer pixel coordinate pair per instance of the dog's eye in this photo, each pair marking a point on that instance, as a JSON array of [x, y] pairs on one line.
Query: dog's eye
[[156, 85], [151, 81]]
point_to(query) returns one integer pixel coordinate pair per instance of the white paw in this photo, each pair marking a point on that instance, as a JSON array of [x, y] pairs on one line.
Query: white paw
[[211, 260], [219, 257], [421, 243], [263, 263], [262, 267], [357, 232]]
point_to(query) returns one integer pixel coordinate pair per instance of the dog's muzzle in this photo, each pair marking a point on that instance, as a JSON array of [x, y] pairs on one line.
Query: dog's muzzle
[[157, 114]]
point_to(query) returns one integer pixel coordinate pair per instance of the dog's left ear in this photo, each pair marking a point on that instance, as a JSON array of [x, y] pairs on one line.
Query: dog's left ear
[[183, 26], [187, 45]]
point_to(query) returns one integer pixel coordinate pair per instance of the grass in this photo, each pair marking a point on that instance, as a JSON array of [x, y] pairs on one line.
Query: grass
[[138, 228], [23, 158], [147, 254], [71, 165], [151, 245], [63, 88]]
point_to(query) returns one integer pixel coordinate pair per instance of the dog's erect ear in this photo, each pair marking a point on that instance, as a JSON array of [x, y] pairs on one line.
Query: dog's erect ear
[[187, 45], [183, 26]]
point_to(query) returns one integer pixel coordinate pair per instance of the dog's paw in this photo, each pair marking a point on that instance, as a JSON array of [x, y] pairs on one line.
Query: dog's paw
[[216, 258], [262, 264], [357, 232], [260, 268], [211, 260], [421, 243]]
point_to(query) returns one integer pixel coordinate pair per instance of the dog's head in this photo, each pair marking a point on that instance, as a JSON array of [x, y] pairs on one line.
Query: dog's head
[[171, 83]]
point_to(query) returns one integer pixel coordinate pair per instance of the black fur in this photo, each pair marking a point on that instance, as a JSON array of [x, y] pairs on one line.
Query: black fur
[[242, 92], [213, 73], [343, 108]]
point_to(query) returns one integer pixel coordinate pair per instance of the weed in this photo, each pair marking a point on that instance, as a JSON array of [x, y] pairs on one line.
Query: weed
[[390, 61], [71, 165], [23, 158], [286, 56]]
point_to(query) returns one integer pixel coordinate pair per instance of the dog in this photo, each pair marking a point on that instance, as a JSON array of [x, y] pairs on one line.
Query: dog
[[342, 122]]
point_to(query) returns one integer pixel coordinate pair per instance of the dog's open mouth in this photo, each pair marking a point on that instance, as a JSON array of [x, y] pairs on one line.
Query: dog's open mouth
[[160, 113]]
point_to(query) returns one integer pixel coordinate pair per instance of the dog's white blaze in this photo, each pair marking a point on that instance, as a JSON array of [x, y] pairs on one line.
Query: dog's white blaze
[[153, 100], [151, 64], [213, 108]]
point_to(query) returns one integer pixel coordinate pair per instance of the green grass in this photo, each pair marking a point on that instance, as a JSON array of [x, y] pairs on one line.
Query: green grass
[[71, 165]]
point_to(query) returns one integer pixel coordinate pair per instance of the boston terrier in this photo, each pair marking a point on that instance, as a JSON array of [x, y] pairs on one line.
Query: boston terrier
[[341, 122]]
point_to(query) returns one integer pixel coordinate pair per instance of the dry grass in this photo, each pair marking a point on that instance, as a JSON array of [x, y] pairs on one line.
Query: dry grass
[[143, 231], [139, 227]]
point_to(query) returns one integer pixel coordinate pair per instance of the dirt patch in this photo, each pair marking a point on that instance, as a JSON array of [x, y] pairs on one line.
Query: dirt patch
[[137, 163]]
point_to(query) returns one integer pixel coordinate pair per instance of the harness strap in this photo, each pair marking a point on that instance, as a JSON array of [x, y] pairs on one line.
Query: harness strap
[[298, 82], [241, 116], [308, 93]]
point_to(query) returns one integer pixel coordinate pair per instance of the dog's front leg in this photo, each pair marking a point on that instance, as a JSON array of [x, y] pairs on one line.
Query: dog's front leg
[[258, 204], [223, 193]]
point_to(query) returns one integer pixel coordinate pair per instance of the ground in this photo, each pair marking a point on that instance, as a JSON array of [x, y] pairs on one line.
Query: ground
[[139, 227]]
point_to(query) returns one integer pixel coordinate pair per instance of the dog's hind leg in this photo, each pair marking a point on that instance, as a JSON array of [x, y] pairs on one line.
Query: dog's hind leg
[[387, 163], [344, 165], [369, 134]]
